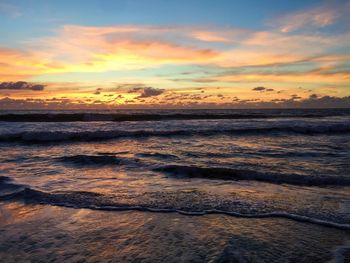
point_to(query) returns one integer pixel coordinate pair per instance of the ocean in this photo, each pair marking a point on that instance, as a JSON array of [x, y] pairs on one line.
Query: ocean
[[175, 186]]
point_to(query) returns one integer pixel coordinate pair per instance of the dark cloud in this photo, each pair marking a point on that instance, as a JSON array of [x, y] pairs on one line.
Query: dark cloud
[[196, 97], [259, 89], [21, 85], [98, 91], [296, 97], [147, 92], [134, 90], [262, 89]]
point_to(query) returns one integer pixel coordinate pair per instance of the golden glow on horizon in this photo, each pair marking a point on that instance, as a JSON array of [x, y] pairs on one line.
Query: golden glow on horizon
[[224, 63]]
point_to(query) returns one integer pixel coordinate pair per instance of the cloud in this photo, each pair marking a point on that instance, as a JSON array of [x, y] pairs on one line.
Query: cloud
[[95, 49], [323, 75], [209, 36], [259, 89], [97, 91], [280, 56], [76, 49], [127, 86], [295, 97], [189, 102], [313, 18], [146, 92], [150, 92], [21, 85], [135, 89], [18, 64], [122, 47], [313, 96]]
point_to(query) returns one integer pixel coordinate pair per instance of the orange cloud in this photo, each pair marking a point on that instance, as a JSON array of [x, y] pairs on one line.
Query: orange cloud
[[77, 49], [117, 48], [16, 65], [208, 36], [92, 49]]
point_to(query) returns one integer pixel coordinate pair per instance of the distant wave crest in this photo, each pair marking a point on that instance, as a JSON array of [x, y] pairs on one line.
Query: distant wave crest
[[200, 115], [62, 136]]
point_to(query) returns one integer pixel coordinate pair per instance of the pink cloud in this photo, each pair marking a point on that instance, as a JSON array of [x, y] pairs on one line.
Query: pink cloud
[[313, 18]]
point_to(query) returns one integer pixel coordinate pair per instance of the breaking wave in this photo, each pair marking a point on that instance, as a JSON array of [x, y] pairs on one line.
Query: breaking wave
[[95, 201], [220, 173]]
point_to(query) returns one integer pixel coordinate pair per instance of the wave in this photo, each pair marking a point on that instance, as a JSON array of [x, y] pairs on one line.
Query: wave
[[4, 179], [161, 156], [61, 136], [100, 160], [200, 115], [219, 173], [9, 189], [95, 201]]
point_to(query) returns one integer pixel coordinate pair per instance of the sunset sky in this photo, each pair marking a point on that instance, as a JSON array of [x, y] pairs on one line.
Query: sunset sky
[[183, 53]]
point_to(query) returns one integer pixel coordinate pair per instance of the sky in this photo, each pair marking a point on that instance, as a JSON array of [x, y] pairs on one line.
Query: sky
[[174, 54]]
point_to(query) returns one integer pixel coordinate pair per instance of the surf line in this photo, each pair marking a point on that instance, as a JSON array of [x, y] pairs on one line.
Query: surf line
[[294, 217]]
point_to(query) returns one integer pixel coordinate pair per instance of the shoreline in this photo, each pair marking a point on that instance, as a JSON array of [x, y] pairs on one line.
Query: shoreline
[[63, 233]]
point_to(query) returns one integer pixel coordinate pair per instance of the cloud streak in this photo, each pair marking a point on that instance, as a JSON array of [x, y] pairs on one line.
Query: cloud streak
[[313, 18], [21, 85]]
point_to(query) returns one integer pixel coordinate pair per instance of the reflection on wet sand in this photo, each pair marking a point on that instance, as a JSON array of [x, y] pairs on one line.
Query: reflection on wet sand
[[49, 233]]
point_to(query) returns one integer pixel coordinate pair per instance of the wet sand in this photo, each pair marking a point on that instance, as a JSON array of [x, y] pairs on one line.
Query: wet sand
[[43, 233]]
